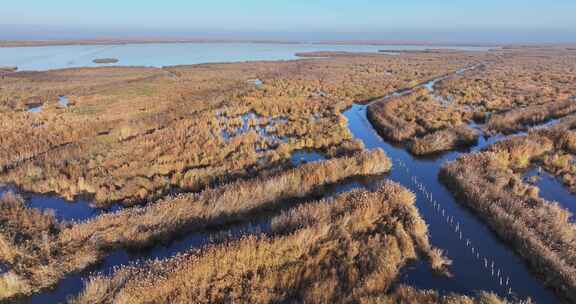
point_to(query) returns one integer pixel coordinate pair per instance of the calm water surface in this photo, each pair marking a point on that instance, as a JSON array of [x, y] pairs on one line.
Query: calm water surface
[[552, 189], [77, 210], [166, 54], [469, 268]]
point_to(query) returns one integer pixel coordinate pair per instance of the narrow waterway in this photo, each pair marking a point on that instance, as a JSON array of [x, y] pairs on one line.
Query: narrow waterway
[[480, 260], [77, 210], [73, 284], [552, 189]]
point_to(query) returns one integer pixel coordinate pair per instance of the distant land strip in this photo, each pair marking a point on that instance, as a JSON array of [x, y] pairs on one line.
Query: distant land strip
[[34, 43]]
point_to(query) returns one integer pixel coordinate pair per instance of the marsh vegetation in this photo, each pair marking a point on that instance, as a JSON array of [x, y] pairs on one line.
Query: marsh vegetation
[[203, 148], [491, 182], [347, 249], [506, 93]]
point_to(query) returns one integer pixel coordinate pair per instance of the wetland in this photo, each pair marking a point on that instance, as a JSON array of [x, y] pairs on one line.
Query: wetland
[[357, 176]]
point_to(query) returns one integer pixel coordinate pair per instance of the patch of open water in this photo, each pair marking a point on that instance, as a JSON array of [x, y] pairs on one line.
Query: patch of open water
[[35, 108], [264, 127], [63, 101], [306, 156], [77, 210], [552, 189], [169, 54]]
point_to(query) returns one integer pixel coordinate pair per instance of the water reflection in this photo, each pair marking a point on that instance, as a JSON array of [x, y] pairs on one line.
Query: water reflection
[[169, 54], [552, 189], [453, 228], [77, 210], [265, 127], [306, 156], [63, 101], [35, 108]]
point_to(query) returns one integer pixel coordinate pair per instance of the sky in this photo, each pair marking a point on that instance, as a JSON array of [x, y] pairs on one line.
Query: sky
[[542, 20]]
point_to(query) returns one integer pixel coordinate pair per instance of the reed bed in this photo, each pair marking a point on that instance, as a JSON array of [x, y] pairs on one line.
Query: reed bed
[[540, 231], [508, 92], [73, 247], [348, 249], [444, 140], [522, 119], [133, 135]]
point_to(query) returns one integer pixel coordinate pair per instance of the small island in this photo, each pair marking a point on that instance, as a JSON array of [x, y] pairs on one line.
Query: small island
[[424, 51], [105, 60], [8, 68]]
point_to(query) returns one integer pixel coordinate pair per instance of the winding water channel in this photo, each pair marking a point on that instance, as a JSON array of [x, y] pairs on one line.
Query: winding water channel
[[72, 284], [472, 247]]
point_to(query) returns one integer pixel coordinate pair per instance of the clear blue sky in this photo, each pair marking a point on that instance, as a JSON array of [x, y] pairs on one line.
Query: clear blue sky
[[328, 16]]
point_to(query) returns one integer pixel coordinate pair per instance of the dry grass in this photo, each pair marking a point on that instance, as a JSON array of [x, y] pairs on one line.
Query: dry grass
[[512, 90], [517, 80], [410, 295], [444, 140], [562, 161], [423, 123], [402, 118], [75, 247], [25, 238], [521, 119], [132, 135], [490, 183], [344, 251]]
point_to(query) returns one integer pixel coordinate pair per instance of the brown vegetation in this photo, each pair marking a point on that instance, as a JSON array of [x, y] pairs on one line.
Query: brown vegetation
[[524, 87], [33, 230], [132, 135], [74, 247], [541, 231], [444, 140], [403, 118], [523, 118], [424, 124], [346, 250], [6, 69], [561, 161], [512, 90], [138, 136]]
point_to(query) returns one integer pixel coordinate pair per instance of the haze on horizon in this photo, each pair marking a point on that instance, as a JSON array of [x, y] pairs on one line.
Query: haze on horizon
[[488, 21]]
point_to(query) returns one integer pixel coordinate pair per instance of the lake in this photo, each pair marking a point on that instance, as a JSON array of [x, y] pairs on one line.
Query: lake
[[167, 54]]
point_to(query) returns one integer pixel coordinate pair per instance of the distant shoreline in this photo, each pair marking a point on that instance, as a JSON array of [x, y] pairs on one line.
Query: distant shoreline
[[41, 43]]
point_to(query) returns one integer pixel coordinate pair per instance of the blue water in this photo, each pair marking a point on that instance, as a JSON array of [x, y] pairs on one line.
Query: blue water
[[3, 268], [63, 101], [35, 109], [468, 268], [167, 54], [77, 210], [552, 189], [73, 284], [306, 156]]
